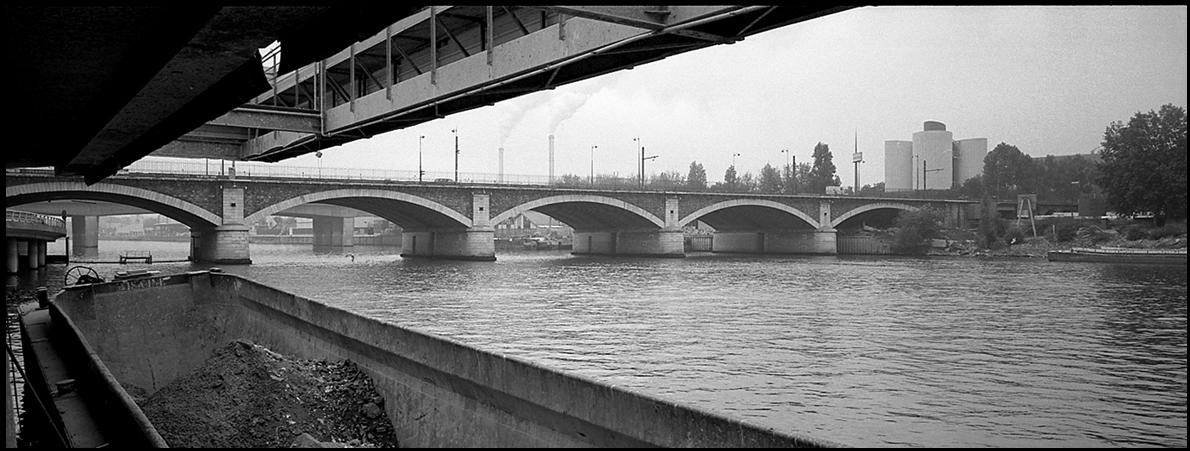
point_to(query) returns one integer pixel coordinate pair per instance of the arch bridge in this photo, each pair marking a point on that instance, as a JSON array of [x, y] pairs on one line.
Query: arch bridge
[[456, 220]]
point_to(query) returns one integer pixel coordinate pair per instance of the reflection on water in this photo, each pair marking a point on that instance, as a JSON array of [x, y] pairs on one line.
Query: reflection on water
[[866, 351]]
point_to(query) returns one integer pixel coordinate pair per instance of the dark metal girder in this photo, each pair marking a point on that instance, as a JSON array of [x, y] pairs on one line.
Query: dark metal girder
[[452, 36], [288, 119]]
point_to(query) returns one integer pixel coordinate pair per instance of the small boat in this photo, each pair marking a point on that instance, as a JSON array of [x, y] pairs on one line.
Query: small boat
[[135, 274], [1120, 255], [539, 243]]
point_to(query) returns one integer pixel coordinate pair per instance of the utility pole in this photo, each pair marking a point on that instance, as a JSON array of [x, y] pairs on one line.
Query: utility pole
[[643, 158], [857, 158]]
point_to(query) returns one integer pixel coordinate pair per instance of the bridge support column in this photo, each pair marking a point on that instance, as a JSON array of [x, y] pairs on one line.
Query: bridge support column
[[84, 235], [476, 244], [12, 262], [636, 243], [814, 242], [41, 250], [333, 234], [226, 244]]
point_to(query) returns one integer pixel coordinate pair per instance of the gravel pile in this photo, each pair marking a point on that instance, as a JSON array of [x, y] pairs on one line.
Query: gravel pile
[[245, 395]]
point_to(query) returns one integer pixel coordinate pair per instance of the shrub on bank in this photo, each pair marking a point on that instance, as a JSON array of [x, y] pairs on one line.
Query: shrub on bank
[[1014, 235], [1166, 231], [915, 229]]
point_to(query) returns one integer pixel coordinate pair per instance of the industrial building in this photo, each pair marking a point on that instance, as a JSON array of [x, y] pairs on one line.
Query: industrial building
[[932, 160]]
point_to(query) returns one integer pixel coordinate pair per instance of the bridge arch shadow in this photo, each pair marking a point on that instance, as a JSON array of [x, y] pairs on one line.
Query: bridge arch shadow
[[880, 215], [193, 216], [585, 212], [750, 214], [407, 211]]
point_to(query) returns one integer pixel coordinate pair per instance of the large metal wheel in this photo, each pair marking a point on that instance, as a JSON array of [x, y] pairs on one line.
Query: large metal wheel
[[80, 275]]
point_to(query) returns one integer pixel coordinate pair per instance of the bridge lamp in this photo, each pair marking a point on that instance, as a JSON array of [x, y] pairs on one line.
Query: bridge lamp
[[456, 132], [318, 154], [419, 171], [642, 165], [592, 179]]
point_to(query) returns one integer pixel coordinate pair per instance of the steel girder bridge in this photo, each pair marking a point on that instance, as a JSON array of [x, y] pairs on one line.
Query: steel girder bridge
[[441, 60]]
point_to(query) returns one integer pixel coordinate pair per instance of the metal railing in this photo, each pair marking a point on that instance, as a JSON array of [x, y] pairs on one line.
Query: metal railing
[[33, 218]]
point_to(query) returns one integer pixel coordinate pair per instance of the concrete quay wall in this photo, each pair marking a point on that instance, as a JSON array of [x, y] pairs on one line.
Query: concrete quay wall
[[437, 392]]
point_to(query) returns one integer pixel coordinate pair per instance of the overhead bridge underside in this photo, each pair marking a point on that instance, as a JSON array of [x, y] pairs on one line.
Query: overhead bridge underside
[[444, 60]]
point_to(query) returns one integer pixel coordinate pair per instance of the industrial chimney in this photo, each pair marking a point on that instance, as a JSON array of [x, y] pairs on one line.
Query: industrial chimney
[[551, 159]]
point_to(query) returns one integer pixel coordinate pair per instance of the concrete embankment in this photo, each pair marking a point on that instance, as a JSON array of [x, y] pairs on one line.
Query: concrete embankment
[[437, 392]]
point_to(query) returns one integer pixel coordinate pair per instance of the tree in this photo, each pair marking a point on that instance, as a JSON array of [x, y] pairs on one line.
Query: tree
[[667, 180], [730, 179], [822, 173], [972, 188], [1007, 171], [697, 178], [770, 180], [915, 229], [872, 190], [747, 183], [803, 178], [788, 180], [1144, 164]]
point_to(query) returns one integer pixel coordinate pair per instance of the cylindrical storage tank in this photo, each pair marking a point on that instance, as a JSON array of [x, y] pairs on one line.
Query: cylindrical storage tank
[[934, 147], [934, 126], [898, 165], [968, 159]]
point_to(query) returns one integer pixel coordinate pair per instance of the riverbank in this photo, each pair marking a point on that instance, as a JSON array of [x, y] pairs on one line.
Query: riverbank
[[1039, 247]]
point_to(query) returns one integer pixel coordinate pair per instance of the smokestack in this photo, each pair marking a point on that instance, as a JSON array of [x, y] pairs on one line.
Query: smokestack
[[501, 165], [551, 159]]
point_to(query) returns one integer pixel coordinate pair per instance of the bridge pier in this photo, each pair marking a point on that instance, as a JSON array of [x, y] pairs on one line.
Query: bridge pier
[[815, 242], [84, 236], [636, 243], [476, 244], [225, 244], [333, 234], [24, 254]]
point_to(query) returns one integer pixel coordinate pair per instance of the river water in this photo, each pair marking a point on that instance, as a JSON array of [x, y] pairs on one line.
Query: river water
[[858, 350]]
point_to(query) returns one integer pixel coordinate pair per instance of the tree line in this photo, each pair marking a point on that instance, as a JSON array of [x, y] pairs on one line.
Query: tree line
[[1140, 168]]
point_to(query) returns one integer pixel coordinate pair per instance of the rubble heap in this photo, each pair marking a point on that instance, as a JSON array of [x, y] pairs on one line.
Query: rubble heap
[[245, 395]]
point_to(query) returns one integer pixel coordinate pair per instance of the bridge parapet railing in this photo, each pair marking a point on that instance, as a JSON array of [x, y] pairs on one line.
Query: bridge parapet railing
[[33, 218]]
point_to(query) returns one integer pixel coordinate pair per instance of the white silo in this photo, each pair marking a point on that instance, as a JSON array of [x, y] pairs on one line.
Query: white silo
[[934, 157], [898, 165], [968, 159]]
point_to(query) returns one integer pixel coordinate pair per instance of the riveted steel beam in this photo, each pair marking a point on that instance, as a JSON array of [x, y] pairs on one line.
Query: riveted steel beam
[[288, 119]]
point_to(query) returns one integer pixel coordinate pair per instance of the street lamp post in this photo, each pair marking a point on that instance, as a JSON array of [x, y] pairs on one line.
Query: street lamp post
[[640, 168], [456, 132], [591, 180], [925, 172], [420, 172], [643, 158], [788, 169], [319, 155]]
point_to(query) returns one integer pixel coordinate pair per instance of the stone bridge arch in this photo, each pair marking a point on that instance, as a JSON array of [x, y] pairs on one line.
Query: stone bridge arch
[[871, 207], [584, 212], [406, 210], [734, 203], [193, 216]]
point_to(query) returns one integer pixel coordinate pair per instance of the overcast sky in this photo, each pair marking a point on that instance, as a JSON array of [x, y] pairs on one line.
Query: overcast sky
[[1048, 80]]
